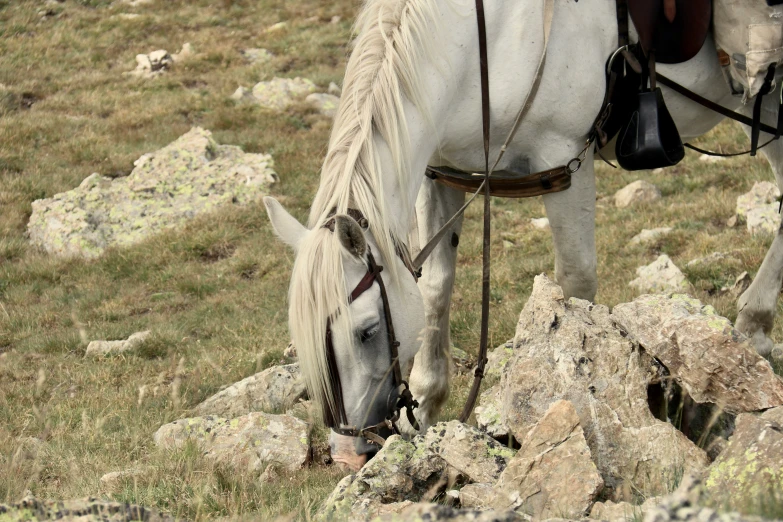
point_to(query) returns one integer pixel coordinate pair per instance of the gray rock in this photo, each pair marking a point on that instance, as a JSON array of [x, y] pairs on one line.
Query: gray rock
[[650, 235], [574, 351], [540, 223], [763, 219], [400, 472], [741, 283], [435, 512], [475, 455], [622, 511], [325, 104], [552, 475], [254, 55], [477, 496], [243, 94], [152, 64], [31, 509], [636, 193], [281, 93], [488, 414], [248, 444], [290, 351], [112, 482], [660, 276], [191, 176], [334, 89], [762, 194], [702, 351], [184, 53], [273, 390], [103, 348], [715, 257], [749, 471]]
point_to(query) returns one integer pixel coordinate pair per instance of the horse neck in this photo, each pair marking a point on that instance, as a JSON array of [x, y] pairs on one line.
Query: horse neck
[[392, 105]]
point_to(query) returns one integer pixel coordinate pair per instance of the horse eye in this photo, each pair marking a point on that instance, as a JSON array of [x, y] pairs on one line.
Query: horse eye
[[369, 333]]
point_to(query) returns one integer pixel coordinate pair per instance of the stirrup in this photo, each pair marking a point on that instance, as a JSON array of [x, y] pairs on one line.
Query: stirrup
[[650, 139]]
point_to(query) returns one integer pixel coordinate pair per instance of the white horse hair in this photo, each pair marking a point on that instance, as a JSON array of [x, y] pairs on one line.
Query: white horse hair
[[411, 97]]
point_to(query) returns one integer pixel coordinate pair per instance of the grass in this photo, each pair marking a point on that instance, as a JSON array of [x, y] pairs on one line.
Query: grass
[[214, 292]]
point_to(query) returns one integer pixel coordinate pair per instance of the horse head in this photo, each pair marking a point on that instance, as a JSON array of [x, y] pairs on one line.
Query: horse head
[[341, 327]]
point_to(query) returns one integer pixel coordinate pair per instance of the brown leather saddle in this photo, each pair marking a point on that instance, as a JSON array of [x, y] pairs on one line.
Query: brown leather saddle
[[674, 30]]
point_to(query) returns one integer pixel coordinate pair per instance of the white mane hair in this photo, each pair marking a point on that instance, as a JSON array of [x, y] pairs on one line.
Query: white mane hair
[[393, 36]]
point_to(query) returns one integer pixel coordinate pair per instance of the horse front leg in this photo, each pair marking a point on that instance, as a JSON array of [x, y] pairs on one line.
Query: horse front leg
[[430, 377], [571, 216], [756, 307]]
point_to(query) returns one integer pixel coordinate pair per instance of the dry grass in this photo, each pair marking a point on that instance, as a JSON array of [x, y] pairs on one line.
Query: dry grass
[[214, 292]]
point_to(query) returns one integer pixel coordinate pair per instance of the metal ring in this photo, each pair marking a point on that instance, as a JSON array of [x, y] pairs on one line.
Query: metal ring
[[614, 56], [578, 165]]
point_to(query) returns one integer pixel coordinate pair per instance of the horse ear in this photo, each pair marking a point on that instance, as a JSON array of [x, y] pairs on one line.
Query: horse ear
[[351, 236], [287, 228]]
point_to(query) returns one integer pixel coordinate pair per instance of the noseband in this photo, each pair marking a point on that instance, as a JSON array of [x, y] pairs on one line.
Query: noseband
[[338, 421]]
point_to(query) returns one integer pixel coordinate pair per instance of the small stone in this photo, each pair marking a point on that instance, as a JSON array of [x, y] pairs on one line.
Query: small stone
[[243, 94], [540, 223], [254, 55], [281, 93], [649, 235], [636, 193], [334, 89], [113, 481], [335, 19], [290, 351], [732, 221], [277, 27], [707, 158], [715, 257], [659, 170], [661, 276], [325, 104], [184, 53], [103, 348], [508, 244], [777, 353], [741, 284]]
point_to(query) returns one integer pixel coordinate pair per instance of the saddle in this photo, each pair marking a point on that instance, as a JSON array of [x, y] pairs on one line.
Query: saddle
[[670, 31], [674, 30]]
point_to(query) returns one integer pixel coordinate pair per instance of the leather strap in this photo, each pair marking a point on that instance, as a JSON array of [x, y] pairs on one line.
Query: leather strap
[[482, 356], [720, 109]]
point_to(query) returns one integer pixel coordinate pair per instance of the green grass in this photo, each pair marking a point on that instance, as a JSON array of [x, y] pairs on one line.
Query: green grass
[[214, 292]]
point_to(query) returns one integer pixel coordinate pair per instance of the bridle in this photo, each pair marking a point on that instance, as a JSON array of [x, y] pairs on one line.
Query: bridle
[[339, 422]]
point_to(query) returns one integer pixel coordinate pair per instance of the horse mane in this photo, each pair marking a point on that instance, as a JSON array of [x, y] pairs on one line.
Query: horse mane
[[392, 37]]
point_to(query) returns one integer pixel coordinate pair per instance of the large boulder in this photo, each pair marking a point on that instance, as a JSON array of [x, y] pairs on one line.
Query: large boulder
[[273, 390], [191, 176], [702, 351], [573, 350], [248, 444], [750, 471], [552, 475]]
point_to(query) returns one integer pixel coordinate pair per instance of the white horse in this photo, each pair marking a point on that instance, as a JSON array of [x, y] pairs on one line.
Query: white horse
[[412, 98]]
